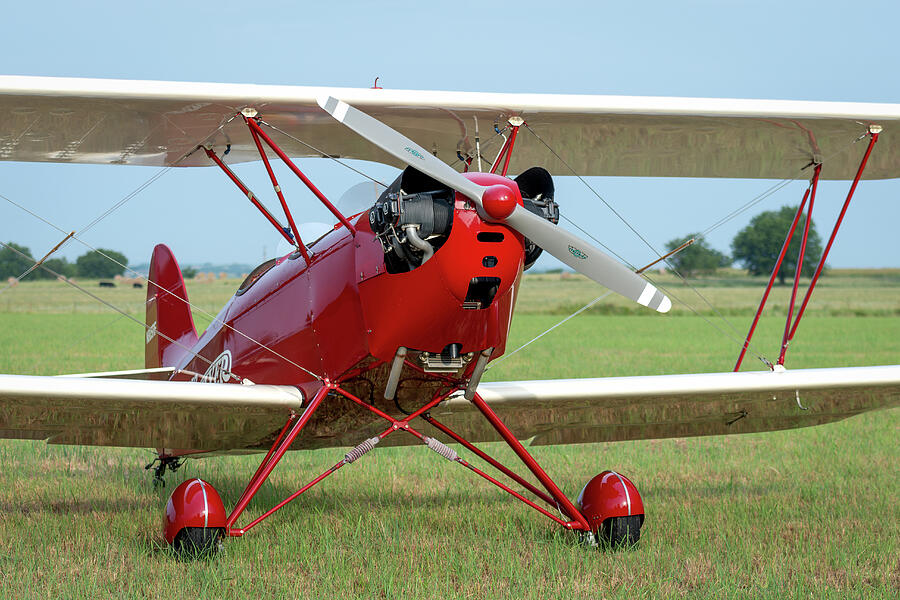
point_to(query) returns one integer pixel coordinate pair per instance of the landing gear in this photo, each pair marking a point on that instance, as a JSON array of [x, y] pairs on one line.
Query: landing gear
[[620, 532], [159, 466], [609, 510], [198, 542], [614, 509], [195, 519]]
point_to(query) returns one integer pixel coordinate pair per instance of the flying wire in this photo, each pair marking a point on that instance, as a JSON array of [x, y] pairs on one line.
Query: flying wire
[[155, 176], [213, 318], [322, 153], [734, 330], [539, 336], [759, 198], [104, 302]]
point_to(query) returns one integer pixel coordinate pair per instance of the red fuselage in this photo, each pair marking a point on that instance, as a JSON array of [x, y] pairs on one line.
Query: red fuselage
[[343, 317]]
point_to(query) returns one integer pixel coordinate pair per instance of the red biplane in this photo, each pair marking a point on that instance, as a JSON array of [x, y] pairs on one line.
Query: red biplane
[[379, 331]]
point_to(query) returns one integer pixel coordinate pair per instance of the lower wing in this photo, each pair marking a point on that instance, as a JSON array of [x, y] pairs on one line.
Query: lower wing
[[144, 414], [229, 417]]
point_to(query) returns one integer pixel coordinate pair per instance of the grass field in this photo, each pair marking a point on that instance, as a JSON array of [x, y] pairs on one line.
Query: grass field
[[804, 513]]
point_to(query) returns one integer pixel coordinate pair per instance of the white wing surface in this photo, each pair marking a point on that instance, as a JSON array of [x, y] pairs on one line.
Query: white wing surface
[[625, 408], [158, 123], [223, 417], [147, 414]]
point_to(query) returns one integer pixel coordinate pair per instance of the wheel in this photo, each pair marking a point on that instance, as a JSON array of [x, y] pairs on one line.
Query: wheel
[[620, 532], [614, 509], [195, 519]]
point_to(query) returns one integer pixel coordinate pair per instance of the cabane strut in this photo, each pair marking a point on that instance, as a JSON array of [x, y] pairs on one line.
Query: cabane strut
[[292, 232]]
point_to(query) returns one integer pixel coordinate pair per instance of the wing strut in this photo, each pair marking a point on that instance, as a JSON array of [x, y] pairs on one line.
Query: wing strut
[[250, 195], [254, 124], [790, 327], [515, 123]]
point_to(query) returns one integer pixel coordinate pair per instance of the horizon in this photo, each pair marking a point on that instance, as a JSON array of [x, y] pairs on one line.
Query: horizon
[[692, 49]]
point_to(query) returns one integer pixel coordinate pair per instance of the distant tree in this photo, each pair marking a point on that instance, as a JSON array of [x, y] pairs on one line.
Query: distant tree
[[58, 265], [698, 258], [757, 245], [96, 266], [188, 272], [11, 264]]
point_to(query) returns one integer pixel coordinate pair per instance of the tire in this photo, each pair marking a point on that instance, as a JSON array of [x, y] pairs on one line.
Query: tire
[[196, 542], [620, 532]]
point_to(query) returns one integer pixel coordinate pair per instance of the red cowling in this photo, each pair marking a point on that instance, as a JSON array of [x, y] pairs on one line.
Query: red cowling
[[609, 494], [194, 503]]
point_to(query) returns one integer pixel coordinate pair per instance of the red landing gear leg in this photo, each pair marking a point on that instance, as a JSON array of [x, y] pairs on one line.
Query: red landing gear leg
[[609, 506], [196, 520]]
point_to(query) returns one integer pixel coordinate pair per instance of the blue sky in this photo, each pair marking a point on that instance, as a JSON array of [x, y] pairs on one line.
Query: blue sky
[[758, 49]]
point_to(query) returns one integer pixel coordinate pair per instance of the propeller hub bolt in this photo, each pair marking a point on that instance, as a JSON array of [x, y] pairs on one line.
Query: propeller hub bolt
[[499, 201]]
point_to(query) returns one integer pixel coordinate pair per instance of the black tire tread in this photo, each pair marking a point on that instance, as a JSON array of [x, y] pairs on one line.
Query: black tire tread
[[620, 532], [198, 541]]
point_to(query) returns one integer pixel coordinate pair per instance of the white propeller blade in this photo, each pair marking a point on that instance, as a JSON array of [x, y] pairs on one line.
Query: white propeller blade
[[565, 246], [587, 259], [403, 148]]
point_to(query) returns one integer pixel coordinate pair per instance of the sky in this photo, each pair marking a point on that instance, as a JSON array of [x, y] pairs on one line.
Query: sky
[[725, 48]]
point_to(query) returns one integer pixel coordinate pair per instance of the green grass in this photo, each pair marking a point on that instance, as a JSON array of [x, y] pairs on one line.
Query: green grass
[[841, 293], [804, 513]]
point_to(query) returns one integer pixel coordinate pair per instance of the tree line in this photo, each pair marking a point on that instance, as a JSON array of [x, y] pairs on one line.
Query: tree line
[[756, 247], [91, 265]]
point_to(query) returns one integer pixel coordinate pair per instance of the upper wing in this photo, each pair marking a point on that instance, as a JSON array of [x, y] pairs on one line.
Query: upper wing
[[148, 414], [158, 123]]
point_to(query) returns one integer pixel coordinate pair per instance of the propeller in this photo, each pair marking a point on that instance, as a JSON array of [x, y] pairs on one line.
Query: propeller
[[499, 204]]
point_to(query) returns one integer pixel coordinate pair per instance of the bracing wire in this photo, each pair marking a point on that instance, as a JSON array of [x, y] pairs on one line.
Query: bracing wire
[[759, 198], [106, 303], [322, 153], [539, 336], [653, 249], [213, 318]]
